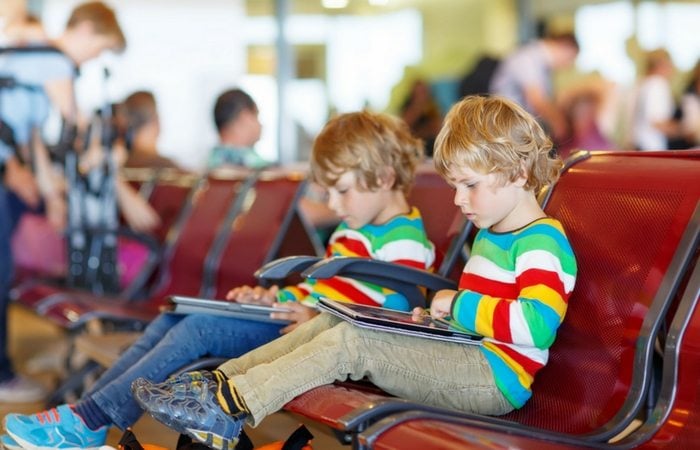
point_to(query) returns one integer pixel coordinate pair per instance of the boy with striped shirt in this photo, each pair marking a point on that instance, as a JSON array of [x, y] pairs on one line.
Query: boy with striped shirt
[[367, 163], [513, 291]]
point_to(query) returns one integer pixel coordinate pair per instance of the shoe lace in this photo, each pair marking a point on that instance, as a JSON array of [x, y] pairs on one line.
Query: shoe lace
[[48, 416]]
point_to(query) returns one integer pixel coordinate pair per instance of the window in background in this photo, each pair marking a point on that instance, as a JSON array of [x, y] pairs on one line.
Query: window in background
[[672, 26], [604, 30]]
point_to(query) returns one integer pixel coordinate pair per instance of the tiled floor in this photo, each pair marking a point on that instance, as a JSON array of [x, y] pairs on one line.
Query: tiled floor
[[36, 344]]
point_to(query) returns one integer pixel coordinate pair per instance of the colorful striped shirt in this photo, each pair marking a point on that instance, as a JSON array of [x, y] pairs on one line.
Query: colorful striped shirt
[[514, 291], [401, 240]]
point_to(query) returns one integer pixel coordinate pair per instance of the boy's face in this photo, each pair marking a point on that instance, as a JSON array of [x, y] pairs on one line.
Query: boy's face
[[486, 199], [357, 206]]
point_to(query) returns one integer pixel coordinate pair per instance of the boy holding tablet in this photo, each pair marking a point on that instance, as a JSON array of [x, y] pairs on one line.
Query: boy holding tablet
[[513, 291]]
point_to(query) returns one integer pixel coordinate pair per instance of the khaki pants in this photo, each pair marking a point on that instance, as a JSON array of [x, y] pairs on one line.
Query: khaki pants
[[327, 349]]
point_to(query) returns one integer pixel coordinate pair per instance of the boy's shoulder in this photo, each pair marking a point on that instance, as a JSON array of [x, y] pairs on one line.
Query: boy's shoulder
[[544, 228], [409, 224]]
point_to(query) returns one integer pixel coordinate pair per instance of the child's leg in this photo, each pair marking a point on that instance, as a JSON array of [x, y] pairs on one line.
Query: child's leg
[[432, 372], [152, 335], [193, 337], [280, 346]]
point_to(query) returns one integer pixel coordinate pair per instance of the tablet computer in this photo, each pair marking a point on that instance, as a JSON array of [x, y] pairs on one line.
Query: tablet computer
[[398, 322], [195, 305]]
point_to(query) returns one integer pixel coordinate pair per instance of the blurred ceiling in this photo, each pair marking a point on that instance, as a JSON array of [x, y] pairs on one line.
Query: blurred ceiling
[[538, 7]]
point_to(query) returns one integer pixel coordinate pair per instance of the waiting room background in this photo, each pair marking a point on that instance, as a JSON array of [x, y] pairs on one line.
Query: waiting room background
[[359, 53]]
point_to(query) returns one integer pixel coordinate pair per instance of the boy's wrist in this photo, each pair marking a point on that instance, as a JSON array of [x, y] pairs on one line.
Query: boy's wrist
[[453, 303]]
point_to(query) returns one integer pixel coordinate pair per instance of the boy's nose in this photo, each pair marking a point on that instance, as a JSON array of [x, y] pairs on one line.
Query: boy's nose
[[332, 202], [458, 198]]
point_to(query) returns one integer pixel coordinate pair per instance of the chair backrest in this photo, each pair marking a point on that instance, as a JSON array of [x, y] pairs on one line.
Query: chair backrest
[[626, 215], [168, 196], [182, 268], [259, 233], [142, 179]]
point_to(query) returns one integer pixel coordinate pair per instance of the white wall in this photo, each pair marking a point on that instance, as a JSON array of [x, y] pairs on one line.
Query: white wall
[[185, 52]]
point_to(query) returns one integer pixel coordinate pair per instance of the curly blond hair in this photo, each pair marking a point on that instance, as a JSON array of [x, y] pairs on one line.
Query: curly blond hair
[[495, 135], [368, 144]]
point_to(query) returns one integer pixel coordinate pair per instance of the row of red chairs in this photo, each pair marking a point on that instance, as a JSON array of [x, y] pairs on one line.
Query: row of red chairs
[[634, 223], [211, 222], [215, 232]]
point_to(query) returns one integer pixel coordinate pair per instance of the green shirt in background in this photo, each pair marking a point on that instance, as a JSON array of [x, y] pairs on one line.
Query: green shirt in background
[[238, 156]]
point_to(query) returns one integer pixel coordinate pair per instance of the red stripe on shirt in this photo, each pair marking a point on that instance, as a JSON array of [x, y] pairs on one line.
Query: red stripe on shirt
[[501, 322], [348, 290], [528, 364], [354, 246]]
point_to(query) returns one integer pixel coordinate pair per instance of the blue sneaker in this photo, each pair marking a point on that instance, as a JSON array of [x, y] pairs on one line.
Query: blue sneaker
[[8, 443], [56, 428], [190, 407]]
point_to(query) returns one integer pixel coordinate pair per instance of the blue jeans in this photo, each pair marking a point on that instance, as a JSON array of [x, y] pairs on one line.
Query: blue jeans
[[11, 209], [170, 342], [5, 279]]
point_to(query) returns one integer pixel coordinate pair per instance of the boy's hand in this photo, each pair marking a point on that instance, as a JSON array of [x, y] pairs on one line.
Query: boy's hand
[[298, 314], [257, 295], [419, 313], [441, 304]]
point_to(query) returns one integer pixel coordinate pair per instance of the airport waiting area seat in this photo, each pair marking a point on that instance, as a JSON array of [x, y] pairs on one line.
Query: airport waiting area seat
[[633, 222]]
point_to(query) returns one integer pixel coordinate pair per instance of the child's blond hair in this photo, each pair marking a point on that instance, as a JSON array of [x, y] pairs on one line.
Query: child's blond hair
[[495, 135], [366, 143], [103, 20]]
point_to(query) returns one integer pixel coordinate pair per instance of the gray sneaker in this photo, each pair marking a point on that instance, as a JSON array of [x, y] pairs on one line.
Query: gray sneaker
[[190, 407]]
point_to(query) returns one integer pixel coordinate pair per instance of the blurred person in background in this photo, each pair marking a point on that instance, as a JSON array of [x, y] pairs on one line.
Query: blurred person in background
[[652, 114], [526, 77]]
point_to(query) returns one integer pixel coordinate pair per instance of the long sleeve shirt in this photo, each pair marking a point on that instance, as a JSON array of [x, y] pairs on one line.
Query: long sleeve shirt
[[514, 291], [401, 240]]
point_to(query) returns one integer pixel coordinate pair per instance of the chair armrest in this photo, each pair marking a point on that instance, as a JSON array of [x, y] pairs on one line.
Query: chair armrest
[[402, 279], [146, 239], [280, 269]]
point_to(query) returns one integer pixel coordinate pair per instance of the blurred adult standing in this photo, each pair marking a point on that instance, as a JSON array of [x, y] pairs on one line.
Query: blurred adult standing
[[690, 109], [652, 122], [526, 76]]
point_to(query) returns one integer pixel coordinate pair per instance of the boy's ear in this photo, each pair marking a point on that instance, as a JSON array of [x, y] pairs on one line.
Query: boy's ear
[[521, 180], [386, 178]]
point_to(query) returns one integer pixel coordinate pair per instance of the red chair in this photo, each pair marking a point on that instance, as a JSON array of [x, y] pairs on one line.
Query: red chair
[[675, 423], [181, 269], [268, 227], [168, 196], [630, 218], [239, 238]]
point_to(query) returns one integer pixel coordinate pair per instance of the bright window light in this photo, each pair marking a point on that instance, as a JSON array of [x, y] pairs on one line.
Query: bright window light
[[334, 4]]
